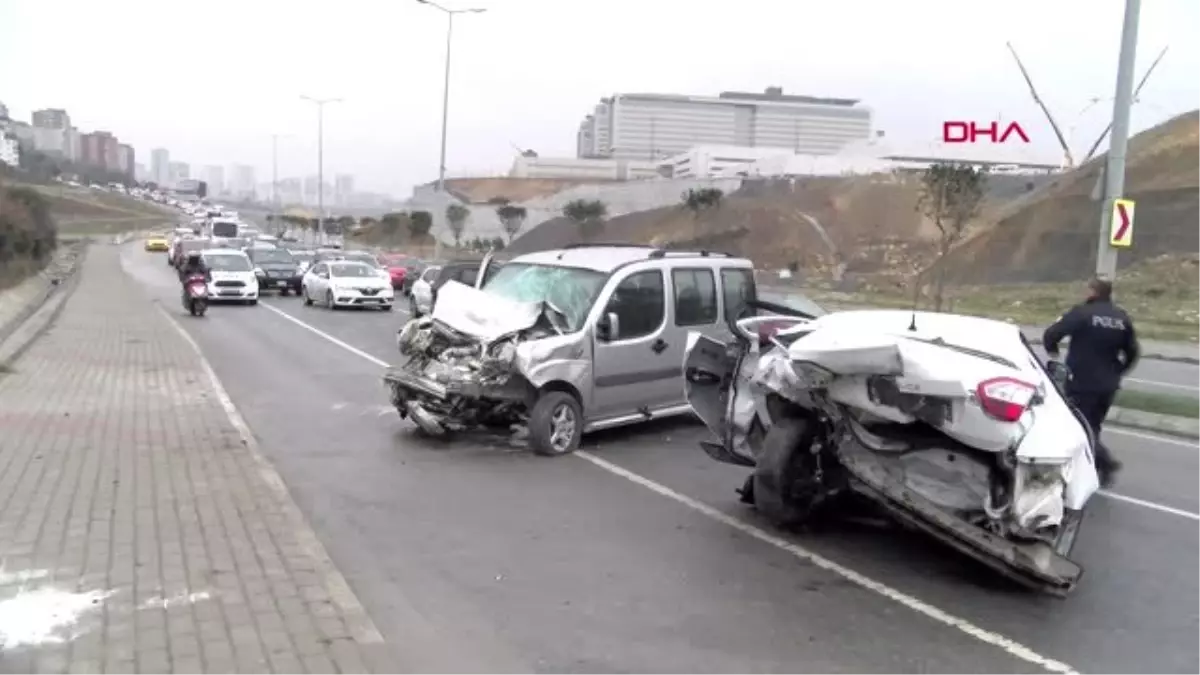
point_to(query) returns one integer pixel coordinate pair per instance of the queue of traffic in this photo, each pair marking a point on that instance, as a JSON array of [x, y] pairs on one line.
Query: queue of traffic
[[241, 264]]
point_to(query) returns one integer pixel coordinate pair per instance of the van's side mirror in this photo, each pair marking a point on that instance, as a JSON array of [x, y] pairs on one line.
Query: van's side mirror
[[608, 327]]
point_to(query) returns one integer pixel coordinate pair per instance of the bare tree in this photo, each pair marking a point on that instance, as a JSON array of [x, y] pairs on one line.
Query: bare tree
[[950, 196], [699, 200], [589, 215], [512, 218], [456, 217]]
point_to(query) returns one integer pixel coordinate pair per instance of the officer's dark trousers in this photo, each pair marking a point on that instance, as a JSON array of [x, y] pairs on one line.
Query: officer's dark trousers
[[1094, 405]]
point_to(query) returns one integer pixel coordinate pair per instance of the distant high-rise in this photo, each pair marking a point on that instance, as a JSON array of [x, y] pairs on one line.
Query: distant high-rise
[[51, 118], [52, 132], [140, 173], [101, 150], [343, 189], [215, 177], [178, 172], [160, 166], [125, 159], [242, 182]]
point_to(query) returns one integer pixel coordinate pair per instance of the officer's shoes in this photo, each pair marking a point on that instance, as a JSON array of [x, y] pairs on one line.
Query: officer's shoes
[[1108, 473]]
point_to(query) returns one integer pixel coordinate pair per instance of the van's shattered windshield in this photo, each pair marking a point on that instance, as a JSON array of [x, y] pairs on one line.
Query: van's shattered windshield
[[569, 290]]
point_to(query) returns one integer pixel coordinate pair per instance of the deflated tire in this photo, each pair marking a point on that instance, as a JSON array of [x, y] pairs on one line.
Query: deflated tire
[[777, 469], [555, 424]]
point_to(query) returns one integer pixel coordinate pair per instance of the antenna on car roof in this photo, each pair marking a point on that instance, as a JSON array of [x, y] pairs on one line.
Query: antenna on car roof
[[912, 325]]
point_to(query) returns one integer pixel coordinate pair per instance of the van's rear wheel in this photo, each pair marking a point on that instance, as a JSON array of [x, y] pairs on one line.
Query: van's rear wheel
[[555, 424]]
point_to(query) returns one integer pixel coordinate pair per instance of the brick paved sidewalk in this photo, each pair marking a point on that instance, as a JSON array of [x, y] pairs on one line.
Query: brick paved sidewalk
[[138, 531]]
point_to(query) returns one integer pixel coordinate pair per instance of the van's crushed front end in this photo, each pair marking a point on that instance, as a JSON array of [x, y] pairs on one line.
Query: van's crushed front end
[[472, 363]]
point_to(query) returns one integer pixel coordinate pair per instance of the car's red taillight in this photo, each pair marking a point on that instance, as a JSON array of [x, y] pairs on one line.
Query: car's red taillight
[[1005, 398]]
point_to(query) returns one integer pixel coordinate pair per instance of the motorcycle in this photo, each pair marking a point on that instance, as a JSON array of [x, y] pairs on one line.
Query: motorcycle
[[195, 296], [949, 424]]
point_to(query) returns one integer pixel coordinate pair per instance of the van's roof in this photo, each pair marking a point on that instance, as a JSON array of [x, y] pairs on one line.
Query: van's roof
[[605, 258], [223, 251]]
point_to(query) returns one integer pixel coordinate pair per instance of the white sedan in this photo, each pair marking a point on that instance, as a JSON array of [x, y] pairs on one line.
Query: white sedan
[[339, 283]]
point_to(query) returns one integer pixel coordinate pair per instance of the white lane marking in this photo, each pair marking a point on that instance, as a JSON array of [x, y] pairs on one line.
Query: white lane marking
[[1157, 383], [1008, 645], [1151, 437], [1151, 505], [335, 584], [320, 333]]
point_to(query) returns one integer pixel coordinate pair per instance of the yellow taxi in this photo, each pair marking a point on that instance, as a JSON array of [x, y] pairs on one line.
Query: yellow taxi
[[158, 243]]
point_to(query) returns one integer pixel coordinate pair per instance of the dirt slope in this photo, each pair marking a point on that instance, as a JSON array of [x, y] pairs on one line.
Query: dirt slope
[[870, 224], [1051, 235]]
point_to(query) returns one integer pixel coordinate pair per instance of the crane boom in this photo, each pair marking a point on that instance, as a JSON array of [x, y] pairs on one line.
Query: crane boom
[[1136, 91], [1062, 141]]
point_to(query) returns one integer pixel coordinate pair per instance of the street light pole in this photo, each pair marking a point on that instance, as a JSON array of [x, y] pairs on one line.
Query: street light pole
[[320, 103], [1114, 168], [441, 184]]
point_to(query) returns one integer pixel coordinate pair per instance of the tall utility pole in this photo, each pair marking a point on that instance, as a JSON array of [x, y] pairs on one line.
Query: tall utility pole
[[1114, 168], [320, 103], [441, 184]]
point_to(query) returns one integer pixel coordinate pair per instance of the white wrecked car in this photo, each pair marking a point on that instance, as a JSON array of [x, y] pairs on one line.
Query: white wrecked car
[[949, 423], [564, 342]]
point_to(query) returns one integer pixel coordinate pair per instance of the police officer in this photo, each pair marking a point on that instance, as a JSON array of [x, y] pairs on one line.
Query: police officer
[[1103, 349]]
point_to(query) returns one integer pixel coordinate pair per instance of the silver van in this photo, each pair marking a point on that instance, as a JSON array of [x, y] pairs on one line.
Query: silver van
[[565, 342]]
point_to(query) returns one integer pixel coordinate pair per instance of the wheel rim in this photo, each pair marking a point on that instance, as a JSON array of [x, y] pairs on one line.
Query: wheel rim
[[562, 427]]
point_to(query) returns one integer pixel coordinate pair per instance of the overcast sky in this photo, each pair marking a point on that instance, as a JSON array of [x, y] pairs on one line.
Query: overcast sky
[[212, 80]]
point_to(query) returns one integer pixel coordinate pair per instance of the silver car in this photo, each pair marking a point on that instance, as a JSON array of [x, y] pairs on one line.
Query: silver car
[[565, 342]]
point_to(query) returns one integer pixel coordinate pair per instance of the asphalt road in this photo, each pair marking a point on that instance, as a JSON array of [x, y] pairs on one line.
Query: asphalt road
[[635, 556]]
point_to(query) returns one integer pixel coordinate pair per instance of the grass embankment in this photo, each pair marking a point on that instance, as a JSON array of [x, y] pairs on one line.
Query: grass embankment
[[28, 236], [1161, 404], [86, 212], [1160, 294]]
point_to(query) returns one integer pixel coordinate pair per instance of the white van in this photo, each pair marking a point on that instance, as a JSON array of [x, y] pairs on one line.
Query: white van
[[233, 277]]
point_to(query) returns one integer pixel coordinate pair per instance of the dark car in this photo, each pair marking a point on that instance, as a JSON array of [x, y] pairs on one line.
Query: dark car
[[276, 269], [464, 272], [413, 267]]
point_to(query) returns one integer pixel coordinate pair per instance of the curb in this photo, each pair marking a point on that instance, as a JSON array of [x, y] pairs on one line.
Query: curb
[[39, 316], [1184, 427]]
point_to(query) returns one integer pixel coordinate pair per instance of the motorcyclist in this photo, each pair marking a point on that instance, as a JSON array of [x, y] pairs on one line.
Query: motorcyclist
[[193, 265], [1103, 349]]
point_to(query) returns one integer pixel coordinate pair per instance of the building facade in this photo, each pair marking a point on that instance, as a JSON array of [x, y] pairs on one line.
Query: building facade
[[10, 149], [51, 118], [100, 149], [160, 166], [242, 182], [343, 189], [177, 173], [655, 126], [215, 177], [126, 161], [592, 168]]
